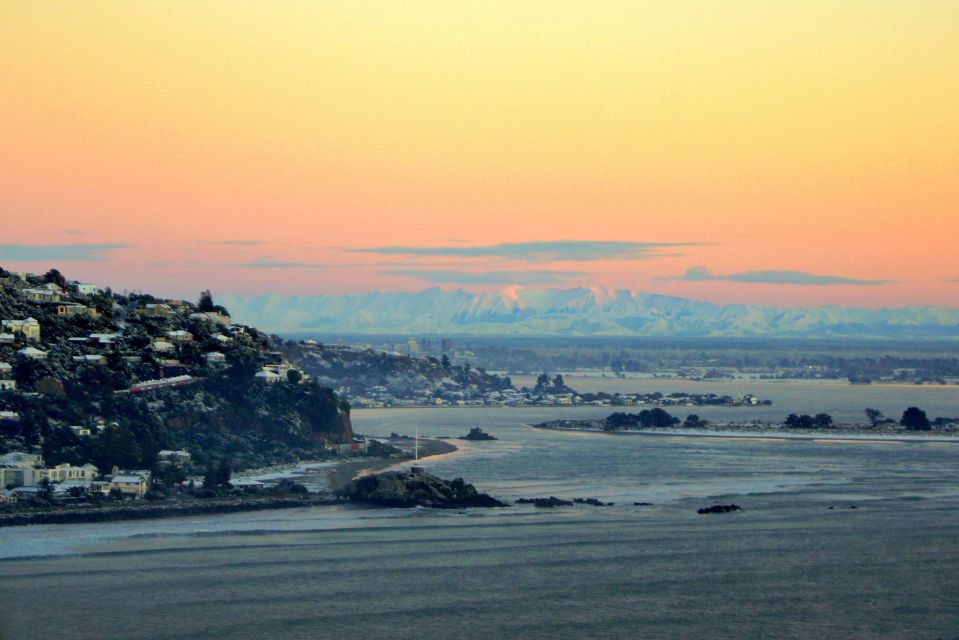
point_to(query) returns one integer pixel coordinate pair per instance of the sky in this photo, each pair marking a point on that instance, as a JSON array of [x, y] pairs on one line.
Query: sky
[[782, 153]]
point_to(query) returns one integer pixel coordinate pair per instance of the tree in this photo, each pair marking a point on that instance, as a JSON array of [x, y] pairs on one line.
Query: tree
[[446, 362], [293, 376], [693, 421], [874, 416], [915, 419], [205, 303], [822, 421], [55, 277], [542, 383]]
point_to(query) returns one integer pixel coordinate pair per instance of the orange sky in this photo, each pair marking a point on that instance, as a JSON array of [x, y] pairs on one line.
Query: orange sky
[[791, 136]]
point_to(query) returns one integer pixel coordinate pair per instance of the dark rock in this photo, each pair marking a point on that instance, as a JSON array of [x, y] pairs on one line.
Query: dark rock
[[720, 508], [642, 504], [551, 501], [593, 502], [477, 434], [416, 489]]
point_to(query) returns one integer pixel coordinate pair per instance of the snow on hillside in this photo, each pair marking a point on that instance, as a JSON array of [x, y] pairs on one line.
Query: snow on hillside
[[582, 311]]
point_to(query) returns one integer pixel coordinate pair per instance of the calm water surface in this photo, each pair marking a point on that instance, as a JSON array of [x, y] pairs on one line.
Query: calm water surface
[[787, 566]]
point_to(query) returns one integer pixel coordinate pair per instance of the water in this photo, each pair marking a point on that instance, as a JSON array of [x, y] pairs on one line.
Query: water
[[786, 566]]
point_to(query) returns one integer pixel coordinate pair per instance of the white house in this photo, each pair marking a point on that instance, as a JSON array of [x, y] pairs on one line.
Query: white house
[[162, 345], [8, 385], [267, 376], [180, 335], [215, 357], [87, 289]]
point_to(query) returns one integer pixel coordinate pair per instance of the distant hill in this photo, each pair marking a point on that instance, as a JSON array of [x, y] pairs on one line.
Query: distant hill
[[593, 311]]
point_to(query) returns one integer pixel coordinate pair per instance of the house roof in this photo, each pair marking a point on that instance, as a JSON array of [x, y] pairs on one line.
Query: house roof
[[129, 479]]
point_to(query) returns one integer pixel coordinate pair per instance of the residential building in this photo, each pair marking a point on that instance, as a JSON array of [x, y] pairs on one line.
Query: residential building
[[35, 354], [180, 335], [81, 431], [215, 357], [43, 294], [162, 345], [212, 316], [5, 369], [71, 309], [66, 472], [93, 358], [7, 338], [131, 485], [268, 377], [86, 289], [8, 385], [178, 458], [30, 328], [155, 310]]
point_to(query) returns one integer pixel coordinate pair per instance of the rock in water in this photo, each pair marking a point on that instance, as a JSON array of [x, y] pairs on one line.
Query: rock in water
[[592, 502], [551, 501], [477, 434], [720, 508], [416, 489]]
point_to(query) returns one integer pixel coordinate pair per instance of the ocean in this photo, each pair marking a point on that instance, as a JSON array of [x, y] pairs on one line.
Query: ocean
[[835, 540]]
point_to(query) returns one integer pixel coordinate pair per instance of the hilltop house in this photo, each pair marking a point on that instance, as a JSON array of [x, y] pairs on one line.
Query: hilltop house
[[86, 289], [212, 316], [268, 377]]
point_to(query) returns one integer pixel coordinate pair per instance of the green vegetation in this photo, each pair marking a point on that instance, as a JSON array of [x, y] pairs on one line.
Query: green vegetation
[[221, 412]]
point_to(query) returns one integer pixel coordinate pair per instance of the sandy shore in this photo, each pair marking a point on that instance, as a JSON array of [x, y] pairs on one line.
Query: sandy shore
[[340, 474]]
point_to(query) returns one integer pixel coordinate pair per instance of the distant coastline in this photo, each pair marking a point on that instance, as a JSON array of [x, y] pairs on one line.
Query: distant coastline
[[840, 433]]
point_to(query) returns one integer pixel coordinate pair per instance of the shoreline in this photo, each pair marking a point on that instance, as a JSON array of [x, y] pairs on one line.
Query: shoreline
[[746, 434], [156, 510], [339, 475]]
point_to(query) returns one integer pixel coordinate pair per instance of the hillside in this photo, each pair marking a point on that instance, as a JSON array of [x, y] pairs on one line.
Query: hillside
[[91, 375], [579, 312], [369, 377]]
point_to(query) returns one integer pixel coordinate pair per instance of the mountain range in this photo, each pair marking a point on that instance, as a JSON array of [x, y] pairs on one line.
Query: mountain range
[[592, 311]]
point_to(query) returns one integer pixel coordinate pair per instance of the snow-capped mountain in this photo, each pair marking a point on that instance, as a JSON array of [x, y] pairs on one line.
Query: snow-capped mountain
[[589, 311]]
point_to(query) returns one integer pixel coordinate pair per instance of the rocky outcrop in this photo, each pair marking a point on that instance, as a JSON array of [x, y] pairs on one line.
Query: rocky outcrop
[[416, 489], [720, 508], [477, 434], [549, 502], [593, 502]]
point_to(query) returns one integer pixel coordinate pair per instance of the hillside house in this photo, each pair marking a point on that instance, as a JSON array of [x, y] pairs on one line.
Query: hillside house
[[43, 294], [8, 385], [33, 353], [71, 309], [180, 336], [29, 328], [215, 357], [162, 345], [86, 289], [155, 310], [177, 458]]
